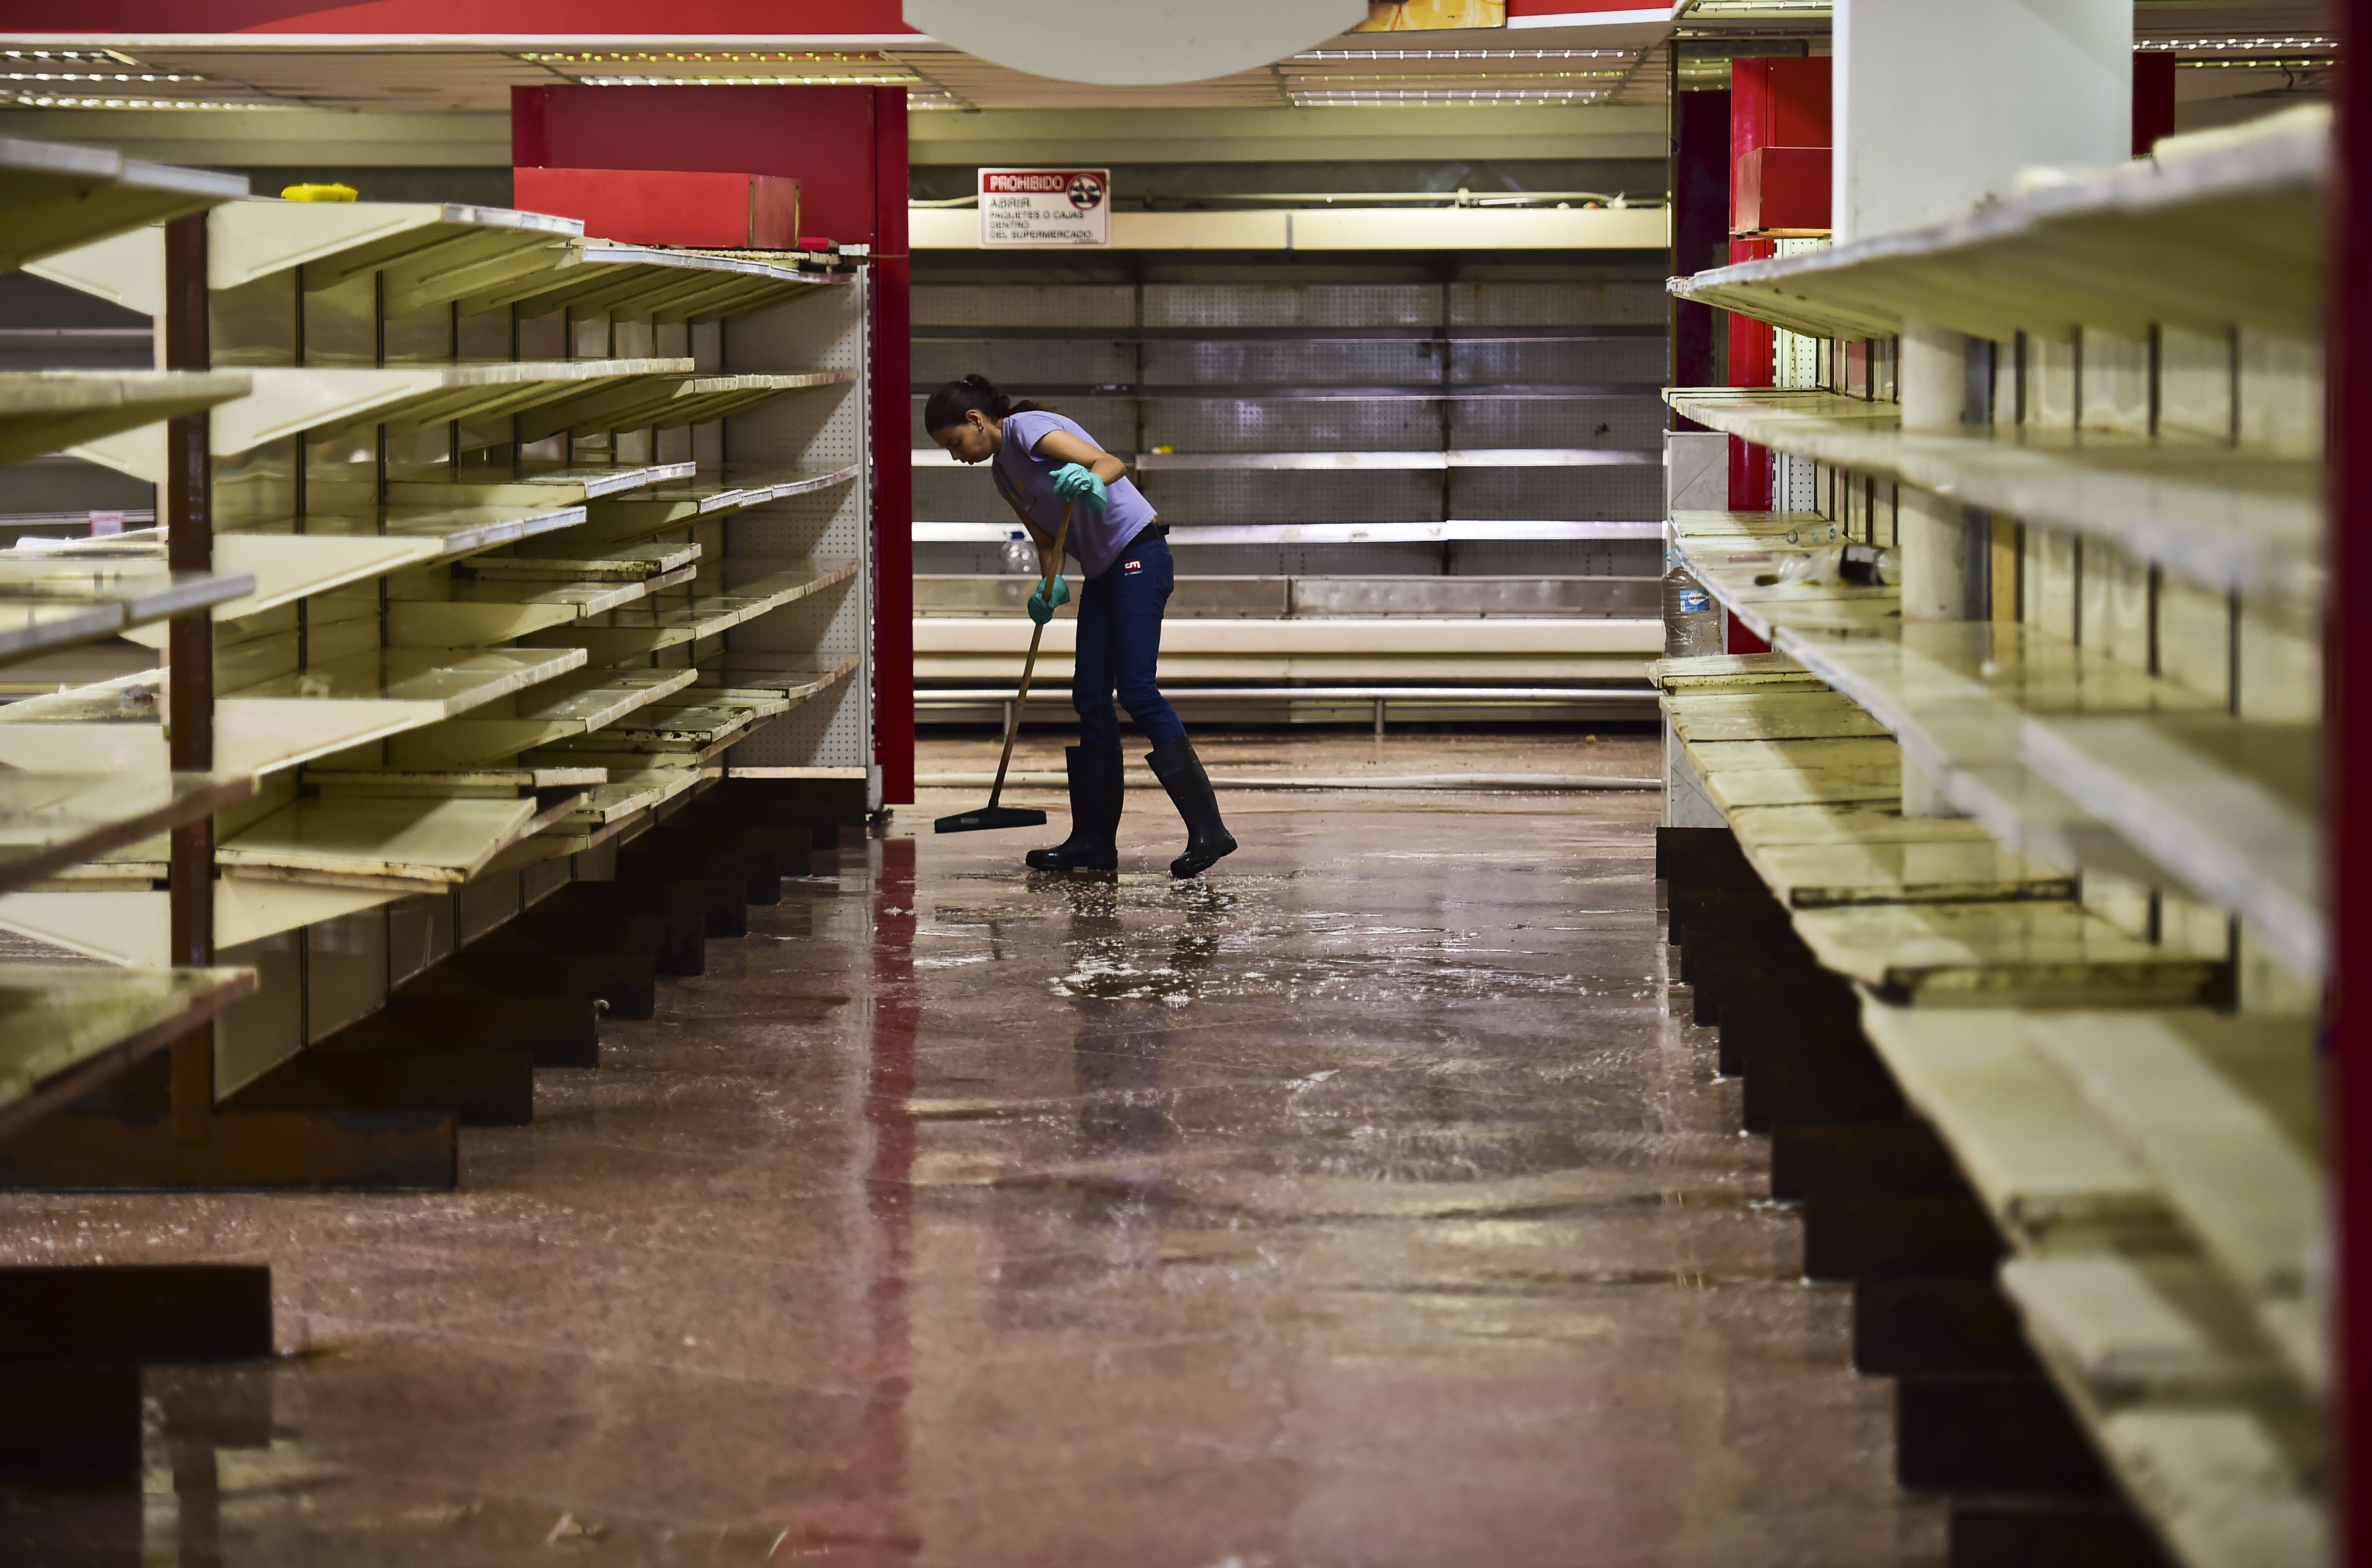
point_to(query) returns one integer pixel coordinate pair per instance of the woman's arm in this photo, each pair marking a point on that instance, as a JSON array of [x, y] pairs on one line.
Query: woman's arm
[[1062, 447]]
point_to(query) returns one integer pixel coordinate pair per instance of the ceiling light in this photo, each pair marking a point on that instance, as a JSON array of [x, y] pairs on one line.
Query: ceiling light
[[1327, 98], [46, 100], [2300, 43], [1314, 82], [95, 77], [95, 56], [708, 57], [1739, 8], [1463, 54], [2279, 62], [876, 81]]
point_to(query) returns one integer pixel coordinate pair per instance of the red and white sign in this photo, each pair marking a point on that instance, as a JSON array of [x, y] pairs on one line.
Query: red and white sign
[[1044, 206]]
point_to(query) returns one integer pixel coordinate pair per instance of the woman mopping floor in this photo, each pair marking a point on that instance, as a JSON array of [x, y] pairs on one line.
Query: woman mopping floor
[[1042, 460]]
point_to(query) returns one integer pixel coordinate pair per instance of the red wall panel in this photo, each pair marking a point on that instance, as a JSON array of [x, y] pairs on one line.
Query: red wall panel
[[821, 136], [847, 148], [674, 206], [1779, 103]]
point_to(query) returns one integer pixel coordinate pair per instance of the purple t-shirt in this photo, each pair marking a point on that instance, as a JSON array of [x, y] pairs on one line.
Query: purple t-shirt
[[1096, 538]]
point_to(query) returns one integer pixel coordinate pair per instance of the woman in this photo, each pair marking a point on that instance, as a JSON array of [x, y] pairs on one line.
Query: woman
[[1043, 461]]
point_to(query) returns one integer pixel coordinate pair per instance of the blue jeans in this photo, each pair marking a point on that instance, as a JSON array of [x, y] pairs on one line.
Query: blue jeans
[[1120, 644]]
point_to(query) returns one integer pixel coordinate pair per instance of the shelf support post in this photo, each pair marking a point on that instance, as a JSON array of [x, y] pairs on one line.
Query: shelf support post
[[190, 670]]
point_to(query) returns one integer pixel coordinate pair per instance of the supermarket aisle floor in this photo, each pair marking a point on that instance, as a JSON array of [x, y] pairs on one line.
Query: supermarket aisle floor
[[1368, 1205]]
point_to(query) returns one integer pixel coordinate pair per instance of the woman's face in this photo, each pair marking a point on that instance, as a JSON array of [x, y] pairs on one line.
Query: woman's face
[[974, 441]]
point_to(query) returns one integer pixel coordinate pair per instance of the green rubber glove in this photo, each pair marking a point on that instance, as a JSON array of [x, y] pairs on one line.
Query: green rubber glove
[[1041, 608], [1074, 482]]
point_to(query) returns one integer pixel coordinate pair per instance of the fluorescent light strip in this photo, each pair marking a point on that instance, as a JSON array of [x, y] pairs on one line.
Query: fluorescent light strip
[[1465, 55], [2206, 45], [703, 57], [94, 76], [1315, 100], [44, 101], [850, 81], [1305, 81], [94, 55], [2278, 63]]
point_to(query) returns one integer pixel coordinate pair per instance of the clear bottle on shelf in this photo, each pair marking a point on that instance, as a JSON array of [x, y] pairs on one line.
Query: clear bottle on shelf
[[1020, 556], [1692, 622]]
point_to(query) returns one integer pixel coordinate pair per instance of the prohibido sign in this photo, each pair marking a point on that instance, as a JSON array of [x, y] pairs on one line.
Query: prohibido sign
[[1045, 206]]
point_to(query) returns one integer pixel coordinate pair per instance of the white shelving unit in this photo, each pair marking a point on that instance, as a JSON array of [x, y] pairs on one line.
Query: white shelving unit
[[64, 1030], [544, 536], [2071, 849]]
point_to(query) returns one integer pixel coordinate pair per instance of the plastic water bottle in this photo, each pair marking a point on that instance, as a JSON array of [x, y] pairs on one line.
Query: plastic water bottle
[[1692, 622], [1020, 556]]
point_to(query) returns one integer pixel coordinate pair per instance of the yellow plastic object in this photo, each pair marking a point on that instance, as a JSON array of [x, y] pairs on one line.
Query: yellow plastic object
[[319, 194]]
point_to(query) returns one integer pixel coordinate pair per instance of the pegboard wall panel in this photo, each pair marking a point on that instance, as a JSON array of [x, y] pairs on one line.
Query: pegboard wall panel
[[1379, 363], [827, 428], [834, 729], [1561, 364], [1628, 424], [1640, 304], [1375, 495], [1631, 494], [831, 526], [817, 329], [1292, 305], [957, 496], [1556, 558], [1395, 560], [1024, 305], [1111, 421], [1236, 424], [1018, 365]]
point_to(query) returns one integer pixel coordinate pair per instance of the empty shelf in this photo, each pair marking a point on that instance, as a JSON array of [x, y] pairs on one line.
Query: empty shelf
[[2223, 1112], [2232, 810], [2013, 952], [57, 196], [2216, 229], [318, 403], [536, 485], [664, 621], [2229, 518], [2034, 1154], [597, 277], [664, 405], [49, 821], [416, 843], [430, 253], [64, 1031], [49, 410]]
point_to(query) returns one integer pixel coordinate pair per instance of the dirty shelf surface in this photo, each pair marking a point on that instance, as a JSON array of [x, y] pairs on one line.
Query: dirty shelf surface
[[1371, 1203]]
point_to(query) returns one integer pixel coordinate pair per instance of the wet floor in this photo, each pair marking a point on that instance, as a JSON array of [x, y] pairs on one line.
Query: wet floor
[[1368, 1204]]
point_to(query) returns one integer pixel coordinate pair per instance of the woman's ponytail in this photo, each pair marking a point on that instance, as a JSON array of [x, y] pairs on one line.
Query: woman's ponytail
[[975, 393]]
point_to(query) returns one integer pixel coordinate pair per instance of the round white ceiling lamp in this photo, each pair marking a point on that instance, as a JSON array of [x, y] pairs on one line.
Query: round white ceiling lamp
[[1133, 42]]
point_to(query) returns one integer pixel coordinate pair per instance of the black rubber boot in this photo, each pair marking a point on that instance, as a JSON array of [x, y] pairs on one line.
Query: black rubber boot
[[1095, 814], [1207, 839]]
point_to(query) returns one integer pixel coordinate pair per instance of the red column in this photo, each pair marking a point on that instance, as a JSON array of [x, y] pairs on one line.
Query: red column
[[2348, 708], [847, 148], [893, 471]]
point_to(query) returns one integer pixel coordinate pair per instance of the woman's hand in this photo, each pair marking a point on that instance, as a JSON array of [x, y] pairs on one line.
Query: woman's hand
[[1043, 606], [1075, 482]]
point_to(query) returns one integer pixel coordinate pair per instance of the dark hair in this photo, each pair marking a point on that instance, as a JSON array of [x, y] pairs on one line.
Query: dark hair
[[951, 402]]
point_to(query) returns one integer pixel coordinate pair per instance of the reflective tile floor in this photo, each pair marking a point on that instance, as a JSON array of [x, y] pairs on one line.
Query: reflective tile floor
[[1368, 1203]]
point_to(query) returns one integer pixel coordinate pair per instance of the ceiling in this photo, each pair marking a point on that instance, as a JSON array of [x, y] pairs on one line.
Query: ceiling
[[2234, 55]]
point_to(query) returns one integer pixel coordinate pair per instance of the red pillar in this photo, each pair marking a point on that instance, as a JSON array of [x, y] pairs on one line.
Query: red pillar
[[847, 148], [2348, 720], [893, 470], [2153, 99]]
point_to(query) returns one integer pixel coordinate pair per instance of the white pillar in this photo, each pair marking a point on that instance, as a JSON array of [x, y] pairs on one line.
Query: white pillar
[[1932, 377], [1939, 103]]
